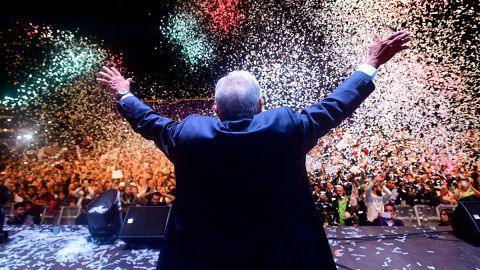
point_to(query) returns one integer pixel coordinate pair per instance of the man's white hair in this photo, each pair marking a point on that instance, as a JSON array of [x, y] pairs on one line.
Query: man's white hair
[[237, 94]]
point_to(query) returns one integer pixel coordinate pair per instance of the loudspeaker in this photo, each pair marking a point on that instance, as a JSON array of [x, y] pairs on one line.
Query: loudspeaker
[[104, 217], [145, 225], [466, 221]]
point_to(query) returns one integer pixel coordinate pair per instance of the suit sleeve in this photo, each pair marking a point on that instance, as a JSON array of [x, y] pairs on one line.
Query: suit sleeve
[[319, 118], [150, 124]]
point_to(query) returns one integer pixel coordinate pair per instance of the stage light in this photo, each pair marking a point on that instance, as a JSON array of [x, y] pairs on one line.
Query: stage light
[[25, 137], [104, 217]]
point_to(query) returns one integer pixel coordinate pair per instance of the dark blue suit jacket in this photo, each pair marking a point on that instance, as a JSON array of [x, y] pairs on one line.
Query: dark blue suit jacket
[[243, 200]]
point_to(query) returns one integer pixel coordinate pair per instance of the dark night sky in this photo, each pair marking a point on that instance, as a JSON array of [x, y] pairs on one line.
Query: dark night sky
[[130, 28], [125, 27]]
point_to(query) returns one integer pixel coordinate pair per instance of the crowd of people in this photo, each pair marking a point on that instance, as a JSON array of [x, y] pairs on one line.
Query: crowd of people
[[142, 174], [353, 182]]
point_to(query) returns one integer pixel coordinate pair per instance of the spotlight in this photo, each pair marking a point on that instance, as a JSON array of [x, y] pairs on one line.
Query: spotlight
[[104, 217]]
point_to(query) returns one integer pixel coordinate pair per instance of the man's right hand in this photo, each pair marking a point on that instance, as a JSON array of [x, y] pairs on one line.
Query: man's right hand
[[382, 50], [113, 80]]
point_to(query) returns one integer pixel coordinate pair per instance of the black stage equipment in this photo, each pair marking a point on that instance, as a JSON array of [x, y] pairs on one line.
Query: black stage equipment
[[104, 217], [466, 221], [145, 225]]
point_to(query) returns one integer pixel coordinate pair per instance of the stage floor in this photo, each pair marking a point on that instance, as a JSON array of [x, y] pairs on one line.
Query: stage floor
[[42, 247]]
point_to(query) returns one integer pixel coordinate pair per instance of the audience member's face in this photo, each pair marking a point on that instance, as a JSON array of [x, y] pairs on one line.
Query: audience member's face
[[391, 184], [97, 188], [31, 191], [155, 199], [151, 183], [444, 216], [128, 190], [464, 185], [389, 209], [20, 211], [329, 186], [340, 191]]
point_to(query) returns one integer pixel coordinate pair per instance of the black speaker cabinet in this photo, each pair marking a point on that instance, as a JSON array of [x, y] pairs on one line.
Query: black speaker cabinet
[[466, 221], [145, 225]]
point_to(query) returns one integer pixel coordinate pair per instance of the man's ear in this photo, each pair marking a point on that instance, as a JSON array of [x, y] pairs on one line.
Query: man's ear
[[260, 105], [215, 109]]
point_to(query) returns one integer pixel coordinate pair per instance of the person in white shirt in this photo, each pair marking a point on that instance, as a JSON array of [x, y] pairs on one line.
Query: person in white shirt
[[377, 195]]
